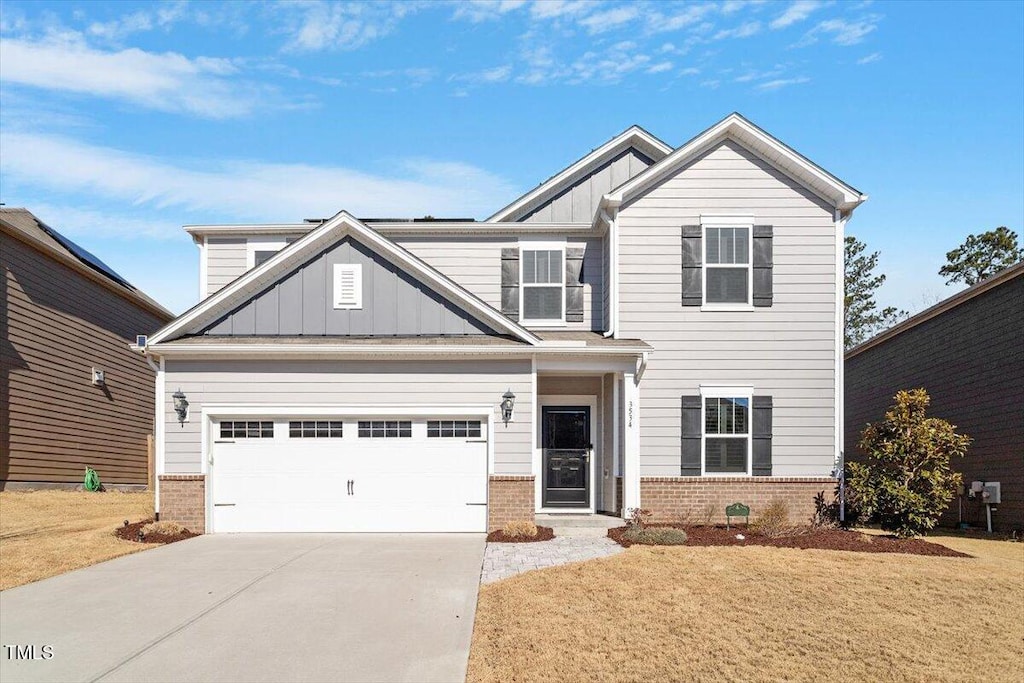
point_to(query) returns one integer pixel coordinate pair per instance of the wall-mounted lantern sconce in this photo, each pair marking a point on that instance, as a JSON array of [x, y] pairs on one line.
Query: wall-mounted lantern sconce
[[180, 406], [97, 377], [508, 404]]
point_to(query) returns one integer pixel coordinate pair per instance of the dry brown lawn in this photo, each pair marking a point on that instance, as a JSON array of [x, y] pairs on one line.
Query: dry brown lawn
[[758, 614], [45, 533]]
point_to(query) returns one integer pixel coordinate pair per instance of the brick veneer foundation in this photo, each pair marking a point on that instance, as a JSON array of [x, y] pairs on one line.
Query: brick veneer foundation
[[510, 499], [678, 499], [183, 500]]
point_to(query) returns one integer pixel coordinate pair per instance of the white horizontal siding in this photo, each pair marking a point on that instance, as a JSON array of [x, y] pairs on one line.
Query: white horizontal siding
[[786, 351], [284, 383], [474, 261], [225, 260]]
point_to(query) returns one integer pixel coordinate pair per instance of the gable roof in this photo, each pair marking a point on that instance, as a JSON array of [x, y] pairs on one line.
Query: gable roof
[[25, 226], [343, 223], [634, 136], [962, 297], [734, 126]]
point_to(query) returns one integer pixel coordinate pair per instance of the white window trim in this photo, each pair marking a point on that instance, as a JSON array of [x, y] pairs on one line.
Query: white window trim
[[252, 245], [725, 221], [717, 391], [357, 270], [531, 245]]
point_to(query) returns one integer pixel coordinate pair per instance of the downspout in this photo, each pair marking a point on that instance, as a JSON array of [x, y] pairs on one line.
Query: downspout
[[613, 271], [157, 431], [840, 373]]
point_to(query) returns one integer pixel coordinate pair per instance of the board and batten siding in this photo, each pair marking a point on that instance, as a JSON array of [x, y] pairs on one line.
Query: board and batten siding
[[786, 351], [474, 261], [970, 359], [430, 383], [56, 326], [578, 202], [393, 303]]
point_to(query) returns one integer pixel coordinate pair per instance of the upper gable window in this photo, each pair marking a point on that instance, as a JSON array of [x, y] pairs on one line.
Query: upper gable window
[[348, 286], [259, 250], [727, 264], [542, 289]]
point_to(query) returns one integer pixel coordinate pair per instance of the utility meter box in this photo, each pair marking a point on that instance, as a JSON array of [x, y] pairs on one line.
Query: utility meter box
[[992, 491]]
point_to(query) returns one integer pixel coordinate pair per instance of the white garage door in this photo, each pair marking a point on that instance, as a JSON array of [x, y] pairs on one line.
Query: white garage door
[[379, 474]]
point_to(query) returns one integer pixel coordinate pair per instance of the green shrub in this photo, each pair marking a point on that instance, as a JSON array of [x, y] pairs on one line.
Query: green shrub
[[773, 522], [655, 535], [906, 481]]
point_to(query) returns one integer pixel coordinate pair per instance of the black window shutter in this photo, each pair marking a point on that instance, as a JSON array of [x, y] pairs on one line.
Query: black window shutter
[[574, 284], [762, 436], [762, 265], [692, 263], [691, 436], [510, 283]]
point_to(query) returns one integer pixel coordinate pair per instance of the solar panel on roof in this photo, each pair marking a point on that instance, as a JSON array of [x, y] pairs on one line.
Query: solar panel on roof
[[85, 256]]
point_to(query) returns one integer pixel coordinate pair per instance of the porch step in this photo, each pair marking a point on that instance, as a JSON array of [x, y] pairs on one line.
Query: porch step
[[572, 525]]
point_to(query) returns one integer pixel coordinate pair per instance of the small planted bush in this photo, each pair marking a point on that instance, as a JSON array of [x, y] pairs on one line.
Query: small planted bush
[[655, 535], [520, 529], [773, 522], [167, 528]]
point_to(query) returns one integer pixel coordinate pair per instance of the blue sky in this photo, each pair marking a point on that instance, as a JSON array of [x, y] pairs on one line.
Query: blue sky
[[120, 122]]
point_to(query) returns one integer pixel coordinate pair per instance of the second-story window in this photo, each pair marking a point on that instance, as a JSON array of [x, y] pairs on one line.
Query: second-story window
[[543, 284], [727, 277]]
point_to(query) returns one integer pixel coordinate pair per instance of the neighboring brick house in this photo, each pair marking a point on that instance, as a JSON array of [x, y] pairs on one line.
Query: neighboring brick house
[[653, 326], [968, 353], [64, 316]]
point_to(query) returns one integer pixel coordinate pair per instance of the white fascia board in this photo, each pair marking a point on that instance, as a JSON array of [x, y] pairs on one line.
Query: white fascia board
[[341, 224], [626, 139], [250, 229], [400, 227], [393, 352], [734, 126]]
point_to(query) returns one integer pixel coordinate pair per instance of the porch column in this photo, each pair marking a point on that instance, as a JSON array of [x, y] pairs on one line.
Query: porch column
[[631, 443]]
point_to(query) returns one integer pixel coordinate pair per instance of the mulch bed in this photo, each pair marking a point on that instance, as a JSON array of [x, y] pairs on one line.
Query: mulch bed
[[818, 539], [544, 533], [131, 533]]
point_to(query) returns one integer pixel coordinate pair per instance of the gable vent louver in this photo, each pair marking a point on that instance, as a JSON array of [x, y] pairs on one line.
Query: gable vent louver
[[348, 286]]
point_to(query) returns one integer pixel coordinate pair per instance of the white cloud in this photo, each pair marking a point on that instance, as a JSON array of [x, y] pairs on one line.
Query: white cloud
[[712, 83], [871, 58], [162, 16], [689, 71], [660, 67], [165, 81], [478, 11], [600, 22], [498, 74], [843, 32], [245, 189], [779, 83], [744, 30], [341, 26], [552, 9], [662, 23], [733, 6], [795, 13]]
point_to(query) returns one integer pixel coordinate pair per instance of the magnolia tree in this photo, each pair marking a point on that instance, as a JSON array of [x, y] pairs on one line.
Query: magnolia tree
[[906, 481]]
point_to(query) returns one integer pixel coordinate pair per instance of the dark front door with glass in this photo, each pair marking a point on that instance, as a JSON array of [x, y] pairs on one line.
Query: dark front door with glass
[[565, 438]]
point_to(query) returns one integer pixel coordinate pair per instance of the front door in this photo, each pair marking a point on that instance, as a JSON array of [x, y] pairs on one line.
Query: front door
[[565, 438]]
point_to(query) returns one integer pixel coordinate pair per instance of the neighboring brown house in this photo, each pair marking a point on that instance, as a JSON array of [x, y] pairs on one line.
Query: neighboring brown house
[[65, 315], [968, 353]]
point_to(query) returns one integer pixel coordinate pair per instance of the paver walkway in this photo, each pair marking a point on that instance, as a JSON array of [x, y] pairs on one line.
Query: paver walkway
[[502, 560]]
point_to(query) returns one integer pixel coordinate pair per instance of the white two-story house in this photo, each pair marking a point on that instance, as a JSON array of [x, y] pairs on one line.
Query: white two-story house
[[652, 327]]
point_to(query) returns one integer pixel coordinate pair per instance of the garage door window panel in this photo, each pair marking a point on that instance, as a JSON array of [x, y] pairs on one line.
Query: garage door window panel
[[247, 429], [385, 429], [441, 429], [315, 429]]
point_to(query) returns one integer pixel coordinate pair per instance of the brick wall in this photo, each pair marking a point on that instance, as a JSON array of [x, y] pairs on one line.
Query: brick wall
[[183, 500], [685, 499], [510, 499]]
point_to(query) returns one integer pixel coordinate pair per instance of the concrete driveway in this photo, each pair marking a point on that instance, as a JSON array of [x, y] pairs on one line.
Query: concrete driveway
[[255, 607]]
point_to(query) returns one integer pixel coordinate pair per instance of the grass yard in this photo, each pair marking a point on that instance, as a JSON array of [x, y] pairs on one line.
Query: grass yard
[[45, 533], [758, 613]]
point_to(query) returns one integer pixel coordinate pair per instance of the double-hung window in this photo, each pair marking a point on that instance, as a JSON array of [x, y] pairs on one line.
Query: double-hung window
[[728, 277], [542, 288], [726, 439]]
